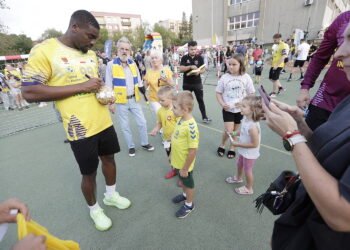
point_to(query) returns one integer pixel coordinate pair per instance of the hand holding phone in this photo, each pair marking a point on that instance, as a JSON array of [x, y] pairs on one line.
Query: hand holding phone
[[264, 95]]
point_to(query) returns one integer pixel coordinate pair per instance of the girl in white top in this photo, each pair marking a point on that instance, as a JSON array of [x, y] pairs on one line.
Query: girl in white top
[[249, 143], [232, 88]]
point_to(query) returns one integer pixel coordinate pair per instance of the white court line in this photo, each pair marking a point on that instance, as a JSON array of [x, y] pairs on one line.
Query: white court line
[[220, 131]]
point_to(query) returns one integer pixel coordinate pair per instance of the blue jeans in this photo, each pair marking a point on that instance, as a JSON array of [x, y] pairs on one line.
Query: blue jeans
[[123, 114]]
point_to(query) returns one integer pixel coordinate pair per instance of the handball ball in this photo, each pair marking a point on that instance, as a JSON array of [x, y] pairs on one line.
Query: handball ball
[[105, 95]]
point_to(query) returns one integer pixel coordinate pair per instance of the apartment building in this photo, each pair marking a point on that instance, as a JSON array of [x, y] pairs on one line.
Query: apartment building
[[235, 20], [117, 21], [173, 25]]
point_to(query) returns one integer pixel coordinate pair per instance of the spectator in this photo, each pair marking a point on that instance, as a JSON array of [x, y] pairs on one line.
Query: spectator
[[334, 86]]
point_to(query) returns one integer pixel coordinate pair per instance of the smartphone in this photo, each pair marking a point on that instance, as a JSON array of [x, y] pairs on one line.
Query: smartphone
[[264, 95], [229, 135], [162, 73]]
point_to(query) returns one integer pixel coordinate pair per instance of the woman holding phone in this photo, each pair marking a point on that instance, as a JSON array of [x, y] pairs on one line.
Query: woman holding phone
[[319, 217], [156, 77]]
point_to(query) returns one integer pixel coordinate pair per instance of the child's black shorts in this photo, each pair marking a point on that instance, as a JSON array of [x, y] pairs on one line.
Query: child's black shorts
[[232, 117]]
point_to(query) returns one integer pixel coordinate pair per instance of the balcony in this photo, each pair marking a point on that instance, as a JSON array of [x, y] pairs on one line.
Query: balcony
[[126, 23]]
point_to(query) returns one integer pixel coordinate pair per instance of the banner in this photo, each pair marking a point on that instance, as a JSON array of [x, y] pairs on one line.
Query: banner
[[108, 48]]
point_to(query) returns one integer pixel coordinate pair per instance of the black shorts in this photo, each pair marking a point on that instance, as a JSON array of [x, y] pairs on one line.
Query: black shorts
[[299, 63], [232, 117], [87, 151], [258, 71], [286, 60], [275, 74]]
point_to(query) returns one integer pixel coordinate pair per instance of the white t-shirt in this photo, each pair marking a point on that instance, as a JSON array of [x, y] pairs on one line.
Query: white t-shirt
[[303, 51], [234, 89], [244, 137]]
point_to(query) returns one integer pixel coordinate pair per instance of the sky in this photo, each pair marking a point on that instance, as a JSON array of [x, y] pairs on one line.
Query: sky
[[33, 17]]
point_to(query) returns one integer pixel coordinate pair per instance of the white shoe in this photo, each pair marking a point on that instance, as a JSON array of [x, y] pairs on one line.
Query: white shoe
[[102, 222]]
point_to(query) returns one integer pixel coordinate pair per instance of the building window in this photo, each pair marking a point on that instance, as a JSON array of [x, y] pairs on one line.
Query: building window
[[244, 21], [126, 21], [238, 1]]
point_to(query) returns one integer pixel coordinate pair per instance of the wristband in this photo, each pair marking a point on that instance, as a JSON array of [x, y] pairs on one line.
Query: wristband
[[290, 134], [234, 133]]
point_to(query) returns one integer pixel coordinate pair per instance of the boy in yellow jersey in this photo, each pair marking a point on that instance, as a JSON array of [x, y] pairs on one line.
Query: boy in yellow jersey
[[277, 65], [65, 70], [184, 141], [166, 120]]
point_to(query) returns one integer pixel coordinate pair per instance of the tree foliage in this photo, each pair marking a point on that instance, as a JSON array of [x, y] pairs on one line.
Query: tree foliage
[[50, 33], [15, 44]]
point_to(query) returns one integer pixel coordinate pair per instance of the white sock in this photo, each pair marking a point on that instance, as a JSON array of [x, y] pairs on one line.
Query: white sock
[[110, 190], [184, 194], [94, 207], [189, 204]]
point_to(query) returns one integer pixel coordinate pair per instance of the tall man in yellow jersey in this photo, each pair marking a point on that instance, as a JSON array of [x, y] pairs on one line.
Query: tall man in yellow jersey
[[65, 70], [281, 52]]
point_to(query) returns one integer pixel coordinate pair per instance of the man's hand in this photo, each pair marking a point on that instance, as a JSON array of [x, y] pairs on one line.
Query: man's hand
[[111, 108], [92, 84], [31, 242], [183, 173], [6, 206], [193, 67], [303, 99]]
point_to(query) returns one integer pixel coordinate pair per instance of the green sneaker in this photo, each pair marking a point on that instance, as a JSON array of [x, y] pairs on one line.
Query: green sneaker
[[102, 222], [117, 201]]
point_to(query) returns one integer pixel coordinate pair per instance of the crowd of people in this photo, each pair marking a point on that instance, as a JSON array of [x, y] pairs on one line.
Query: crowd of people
[[318, 218]]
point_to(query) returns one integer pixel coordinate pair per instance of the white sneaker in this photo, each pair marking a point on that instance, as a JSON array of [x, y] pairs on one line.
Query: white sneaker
[[117, 201], [102, 222]]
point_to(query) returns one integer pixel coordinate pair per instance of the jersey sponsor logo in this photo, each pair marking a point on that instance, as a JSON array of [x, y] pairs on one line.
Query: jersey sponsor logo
[[176, 134], [196, 62], [188, 61], [64, 59]]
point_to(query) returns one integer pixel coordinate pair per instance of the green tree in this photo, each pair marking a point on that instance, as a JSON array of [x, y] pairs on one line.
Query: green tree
[[23, 44], [190, 29], [50, 33], [100, 42], [139, 37], [169, 38], [15, 44], [183, 33]]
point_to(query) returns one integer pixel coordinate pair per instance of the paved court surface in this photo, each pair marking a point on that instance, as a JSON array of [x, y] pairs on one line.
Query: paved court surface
[[37, 167]]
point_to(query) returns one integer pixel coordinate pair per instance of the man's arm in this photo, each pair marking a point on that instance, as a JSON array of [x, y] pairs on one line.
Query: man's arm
[[190, 158], [321, 57], [187, 68], [41, 92]]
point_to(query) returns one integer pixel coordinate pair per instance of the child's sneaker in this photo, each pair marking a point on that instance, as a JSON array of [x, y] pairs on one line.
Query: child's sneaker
[[170, 174], [102, 222], [178, 198], [117, 201], [184, 211]]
